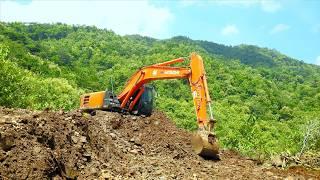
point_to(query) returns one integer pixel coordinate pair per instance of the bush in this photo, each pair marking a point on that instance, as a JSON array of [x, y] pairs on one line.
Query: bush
[[23, 89]]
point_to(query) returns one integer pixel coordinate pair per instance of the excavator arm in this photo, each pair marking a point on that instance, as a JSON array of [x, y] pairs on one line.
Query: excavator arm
[[147, 74], [204, 141], [195, 74]]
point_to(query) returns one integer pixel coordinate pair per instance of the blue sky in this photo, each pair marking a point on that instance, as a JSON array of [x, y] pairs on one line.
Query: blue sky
[[290, 26]]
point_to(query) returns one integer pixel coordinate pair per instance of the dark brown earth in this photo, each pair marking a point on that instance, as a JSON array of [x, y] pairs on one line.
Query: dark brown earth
[[60, 145]]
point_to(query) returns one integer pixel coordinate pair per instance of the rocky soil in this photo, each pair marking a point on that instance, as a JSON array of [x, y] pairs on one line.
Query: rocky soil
[[75, 145]]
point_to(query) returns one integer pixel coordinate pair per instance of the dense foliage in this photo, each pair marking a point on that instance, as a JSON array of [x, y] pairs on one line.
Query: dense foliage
[[265, 102]]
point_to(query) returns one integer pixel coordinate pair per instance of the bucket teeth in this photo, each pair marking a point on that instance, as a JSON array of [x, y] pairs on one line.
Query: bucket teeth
[[205, 144]]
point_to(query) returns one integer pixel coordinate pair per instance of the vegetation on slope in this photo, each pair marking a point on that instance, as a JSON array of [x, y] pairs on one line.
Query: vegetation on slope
[[265, 102]]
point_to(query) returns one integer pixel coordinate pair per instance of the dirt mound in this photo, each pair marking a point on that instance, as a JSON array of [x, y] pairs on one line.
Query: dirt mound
[[59, 145]]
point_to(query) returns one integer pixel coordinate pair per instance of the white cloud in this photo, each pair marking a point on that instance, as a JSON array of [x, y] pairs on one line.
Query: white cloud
[[269, 6], [229, 30], [189, 2], [246, 3], [279, 28], [123, 17], [317, 61]]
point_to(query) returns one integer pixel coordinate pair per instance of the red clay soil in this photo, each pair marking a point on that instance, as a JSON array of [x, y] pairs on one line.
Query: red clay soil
[[74, 145]]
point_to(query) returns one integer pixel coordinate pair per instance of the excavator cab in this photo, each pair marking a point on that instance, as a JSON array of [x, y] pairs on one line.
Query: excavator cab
[[145, 104]]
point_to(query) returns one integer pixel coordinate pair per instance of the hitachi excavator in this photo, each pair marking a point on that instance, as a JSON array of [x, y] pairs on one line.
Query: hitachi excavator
[[137, 98]]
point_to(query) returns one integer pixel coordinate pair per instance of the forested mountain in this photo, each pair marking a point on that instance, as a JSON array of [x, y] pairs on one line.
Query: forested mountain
[[265, 102]]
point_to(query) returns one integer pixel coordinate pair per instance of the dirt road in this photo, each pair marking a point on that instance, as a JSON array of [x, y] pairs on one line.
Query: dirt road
[[59, 145]]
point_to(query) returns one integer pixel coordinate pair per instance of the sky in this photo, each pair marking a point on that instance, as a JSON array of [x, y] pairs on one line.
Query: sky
[[289, 26]]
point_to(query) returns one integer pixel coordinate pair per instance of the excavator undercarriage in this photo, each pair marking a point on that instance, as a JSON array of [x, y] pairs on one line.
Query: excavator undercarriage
[[108, 101], [137, 98]]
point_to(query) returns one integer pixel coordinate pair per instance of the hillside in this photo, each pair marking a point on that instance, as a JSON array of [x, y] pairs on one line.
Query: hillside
[[265, 102], [110, 145], [114, 146]]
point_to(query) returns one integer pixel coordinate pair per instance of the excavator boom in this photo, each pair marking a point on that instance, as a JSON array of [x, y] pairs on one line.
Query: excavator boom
[[132, 98]]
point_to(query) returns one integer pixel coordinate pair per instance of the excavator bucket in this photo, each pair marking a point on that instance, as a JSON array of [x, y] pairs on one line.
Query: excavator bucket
[[205, 144]]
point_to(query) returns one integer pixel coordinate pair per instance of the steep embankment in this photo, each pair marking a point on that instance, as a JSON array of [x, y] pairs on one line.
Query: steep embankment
[[45, 144]]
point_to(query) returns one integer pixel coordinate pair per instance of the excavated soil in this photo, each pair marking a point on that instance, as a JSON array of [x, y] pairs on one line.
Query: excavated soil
[[74, 145]]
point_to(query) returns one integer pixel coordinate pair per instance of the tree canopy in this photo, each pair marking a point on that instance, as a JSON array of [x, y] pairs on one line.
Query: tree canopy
[[263, 100]]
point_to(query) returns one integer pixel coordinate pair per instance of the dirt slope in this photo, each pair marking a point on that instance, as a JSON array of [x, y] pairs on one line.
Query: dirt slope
[[59, 145]]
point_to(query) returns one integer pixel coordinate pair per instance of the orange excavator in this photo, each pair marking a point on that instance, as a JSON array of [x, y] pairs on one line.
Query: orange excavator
[[137, 98]]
